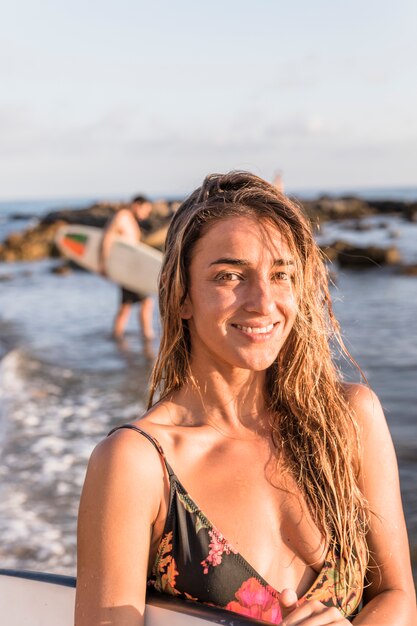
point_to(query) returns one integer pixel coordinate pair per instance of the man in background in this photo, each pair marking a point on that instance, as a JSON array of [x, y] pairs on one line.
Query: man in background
[[128, 224]]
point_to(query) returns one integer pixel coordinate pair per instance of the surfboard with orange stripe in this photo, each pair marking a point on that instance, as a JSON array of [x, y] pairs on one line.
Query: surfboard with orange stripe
[[75, 242], [135, 266]]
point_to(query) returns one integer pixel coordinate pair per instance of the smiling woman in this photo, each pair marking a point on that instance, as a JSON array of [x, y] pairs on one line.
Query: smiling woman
[[253, 483]]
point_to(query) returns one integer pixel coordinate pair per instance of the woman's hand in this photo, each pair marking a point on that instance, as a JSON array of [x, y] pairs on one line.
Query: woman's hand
[[312, 613]]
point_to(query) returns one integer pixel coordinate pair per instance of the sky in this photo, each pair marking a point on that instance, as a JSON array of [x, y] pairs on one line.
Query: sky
[[113, 98]]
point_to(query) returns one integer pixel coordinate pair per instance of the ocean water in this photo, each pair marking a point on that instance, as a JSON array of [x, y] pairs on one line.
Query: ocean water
[[64, 383]]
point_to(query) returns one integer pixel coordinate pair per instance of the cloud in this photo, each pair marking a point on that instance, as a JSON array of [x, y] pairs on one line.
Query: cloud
[[25, 132], [127, 149], [127, 131]]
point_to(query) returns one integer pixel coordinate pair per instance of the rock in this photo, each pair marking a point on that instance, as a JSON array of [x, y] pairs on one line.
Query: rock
[[394, 234], [348, 255], [327, 208], [361, 226], [408, 270], [99, 214], [14, 240], [31, 245], [8, 256], [23, 216], [332, 250], [411, 214], [352, 207], [38, 242], [95, 215], [157, 238], [330, 253], [389, 206], [370, 256], [62, 270]]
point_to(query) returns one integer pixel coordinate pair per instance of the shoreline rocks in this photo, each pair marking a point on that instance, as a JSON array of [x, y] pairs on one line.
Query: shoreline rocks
[[327, 208], [33, 244], [361, 257], [37, 242], [408, 270]]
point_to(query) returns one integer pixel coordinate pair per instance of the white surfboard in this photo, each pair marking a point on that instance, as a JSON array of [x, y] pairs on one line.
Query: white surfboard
[[37, 599], [135, 266]]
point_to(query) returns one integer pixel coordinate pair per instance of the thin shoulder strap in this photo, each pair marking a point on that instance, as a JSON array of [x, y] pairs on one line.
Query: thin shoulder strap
[[153, 441]]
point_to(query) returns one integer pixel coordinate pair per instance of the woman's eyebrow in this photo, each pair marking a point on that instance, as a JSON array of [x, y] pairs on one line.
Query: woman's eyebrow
[[281, 262], [229, 261], [244, 262]]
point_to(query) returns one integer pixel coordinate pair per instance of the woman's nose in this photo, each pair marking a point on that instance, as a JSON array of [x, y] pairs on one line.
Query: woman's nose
[[260, 297]]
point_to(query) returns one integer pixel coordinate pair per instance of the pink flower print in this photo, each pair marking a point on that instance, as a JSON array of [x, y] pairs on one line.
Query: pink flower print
[[218, 546], [257, 601]]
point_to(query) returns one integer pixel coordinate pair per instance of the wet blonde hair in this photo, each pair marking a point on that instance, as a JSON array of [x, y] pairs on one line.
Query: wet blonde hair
[[312, 424]]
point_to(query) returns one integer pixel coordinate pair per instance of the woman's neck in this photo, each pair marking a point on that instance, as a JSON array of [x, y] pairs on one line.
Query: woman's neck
[[233, 400]]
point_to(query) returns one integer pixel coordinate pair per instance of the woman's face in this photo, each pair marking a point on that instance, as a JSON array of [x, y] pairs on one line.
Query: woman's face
[[241, 303]]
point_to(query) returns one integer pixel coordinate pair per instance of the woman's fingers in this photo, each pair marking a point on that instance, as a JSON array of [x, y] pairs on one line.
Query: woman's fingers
[[314, 614], [288, 600]]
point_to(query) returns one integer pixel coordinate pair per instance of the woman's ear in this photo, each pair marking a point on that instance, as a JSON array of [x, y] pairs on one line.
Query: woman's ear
[[186, 310]]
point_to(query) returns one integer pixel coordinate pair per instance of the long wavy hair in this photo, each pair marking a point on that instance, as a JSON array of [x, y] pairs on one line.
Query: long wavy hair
[[312, 423]]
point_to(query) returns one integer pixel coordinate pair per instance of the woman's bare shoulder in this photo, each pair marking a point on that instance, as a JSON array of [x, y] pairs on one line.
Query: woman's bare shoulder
[[125, 456], [358, 393], [365, 405]]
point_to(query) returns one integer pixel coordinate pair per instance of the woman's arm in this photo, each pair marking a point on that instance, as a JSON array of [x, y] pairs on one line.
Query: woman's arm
[[390, 597], [121, 498]]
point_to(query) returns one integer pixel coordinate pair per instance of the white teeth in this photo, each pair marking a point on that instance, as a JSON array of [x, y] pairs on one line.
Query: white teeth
[[255, 330]]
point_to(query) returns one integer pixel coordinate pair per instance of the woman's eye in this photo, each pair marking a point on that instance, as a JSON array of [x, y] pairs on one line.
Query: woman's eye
[[228, 277], [281, 276]]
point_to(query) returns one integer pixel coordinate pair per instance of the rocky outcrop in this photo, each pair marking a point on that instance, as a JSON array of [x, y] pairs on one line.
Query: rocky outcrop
[[37, 242], [95, 215], [99, 214], [391, 207], [408, 270], [33, 244], [326, 208], [356, 257], [411, 214]]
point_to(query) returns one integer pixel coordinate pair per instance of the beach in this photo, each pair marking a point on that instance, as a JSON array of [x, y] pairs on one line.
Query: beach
[[64, 383]]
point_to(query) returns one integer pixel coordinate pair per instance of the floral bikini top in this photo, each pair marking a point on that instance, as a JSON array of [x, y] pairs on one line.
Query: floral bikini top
[[194, 561]]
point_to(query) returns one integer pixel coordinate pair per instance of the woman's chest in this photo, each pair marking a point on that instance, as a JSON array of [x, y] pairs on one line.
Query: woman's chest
[[257, 510]]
